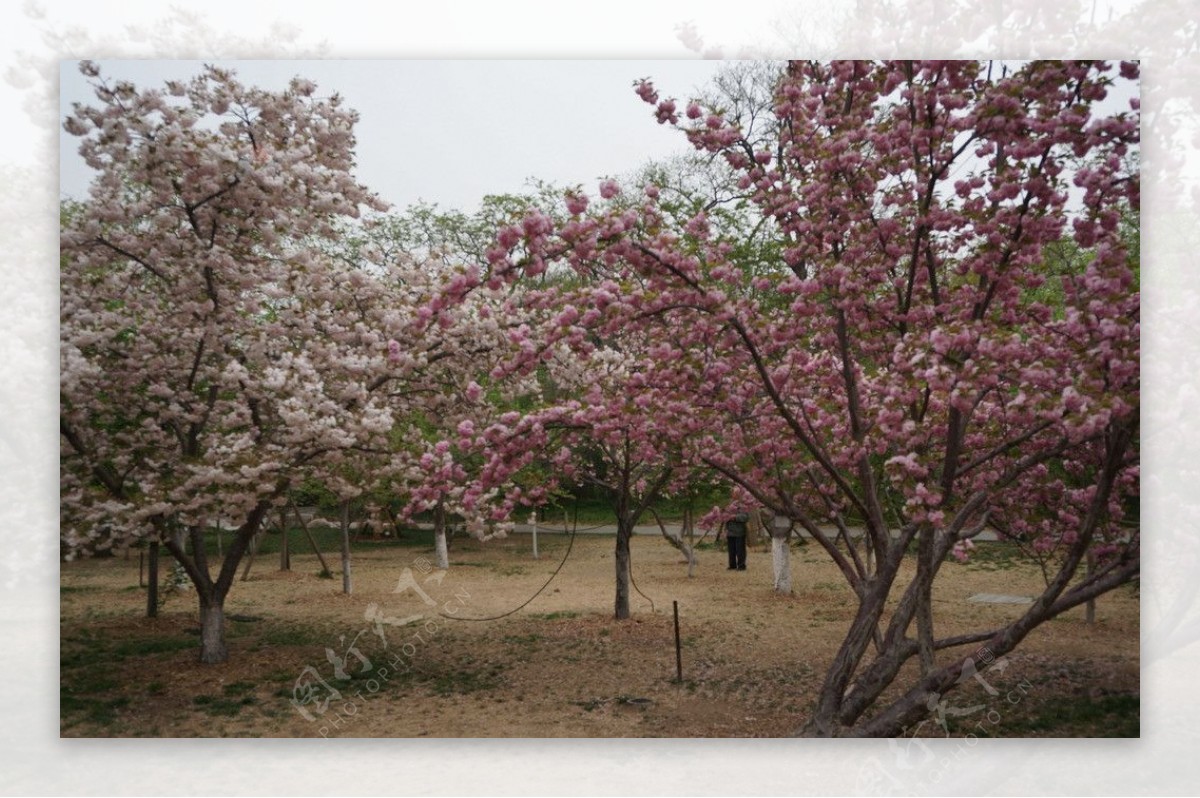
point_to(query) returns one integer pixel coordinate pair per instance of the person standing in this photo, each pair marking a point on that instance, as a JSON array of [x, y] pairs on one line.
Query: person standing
[[735, 541]]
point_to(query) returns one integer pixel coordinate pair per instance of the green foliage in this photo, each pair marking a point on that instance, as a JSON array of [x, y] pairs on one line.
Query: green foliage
[[995, 556], [312, 493], [594, 507], [425, 229], [328, 539]]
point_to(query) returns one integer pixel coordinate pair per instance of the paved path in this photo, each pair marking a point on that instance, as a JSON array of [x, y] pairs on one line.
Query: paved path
[[652, 529]]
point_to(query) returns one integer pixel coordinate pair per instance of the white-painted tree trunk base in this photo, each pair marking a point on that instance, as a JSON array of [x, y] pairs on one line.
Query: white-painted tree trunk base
[[441, 551], [781, 562]]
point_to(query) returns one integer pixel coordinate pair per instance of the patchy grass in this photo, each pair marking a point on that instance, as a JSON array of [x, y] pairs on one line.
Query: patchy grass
[[153, 645], [554, 616], [458, 682], [293, 635], [1077, 716], [523, 640], [223, 706], [506, 569], [97, 712], [752, 660], [239, 688]]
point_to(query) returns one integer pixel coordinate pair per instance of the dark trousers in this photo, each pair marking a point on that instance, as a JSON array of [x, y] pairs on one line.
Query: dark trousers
[[737, 551]]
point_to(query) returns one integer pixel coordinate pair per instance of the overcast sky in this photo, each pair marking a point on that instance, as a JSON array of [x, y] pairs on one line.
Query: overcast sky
[[452, 131]]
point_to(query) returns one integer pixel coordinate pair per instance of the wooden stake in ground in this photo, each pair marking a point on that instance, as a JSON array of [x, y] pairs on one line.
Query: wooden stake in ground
[[253, 551], [312, 541], [678, 648]]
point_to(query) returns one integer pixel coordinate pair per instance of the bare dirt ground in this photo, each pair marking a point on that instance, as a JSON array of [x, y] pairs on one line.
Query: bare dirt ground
[[560, 666]]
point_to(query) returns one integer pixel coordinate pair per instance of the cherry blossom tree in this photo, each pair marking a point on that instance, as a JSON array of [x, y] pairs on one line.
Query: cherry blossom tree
[[897, 377], [564, 390], [575, 427], [594, 424], [438, 462], [212, 356], [612, 445], [443, 457]]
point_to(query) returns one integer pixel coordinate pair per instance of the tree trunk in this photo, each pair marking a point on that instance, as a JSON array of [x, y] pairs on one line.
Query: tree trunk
[[210, 593], [1090, 607], [621, 605], [285, 552], [781, 560], [212, 630], [926, 571], [152, 581], [825, 720], [691, 537], [346, 548], [441, 552], [753, 528]]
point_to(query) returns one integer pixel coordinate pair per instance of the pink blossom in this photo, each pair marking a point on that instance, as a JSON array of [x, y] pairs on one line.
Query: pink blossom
[[665, 112], [509, 236], [536, 223], [645, 89], [576, 204]]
